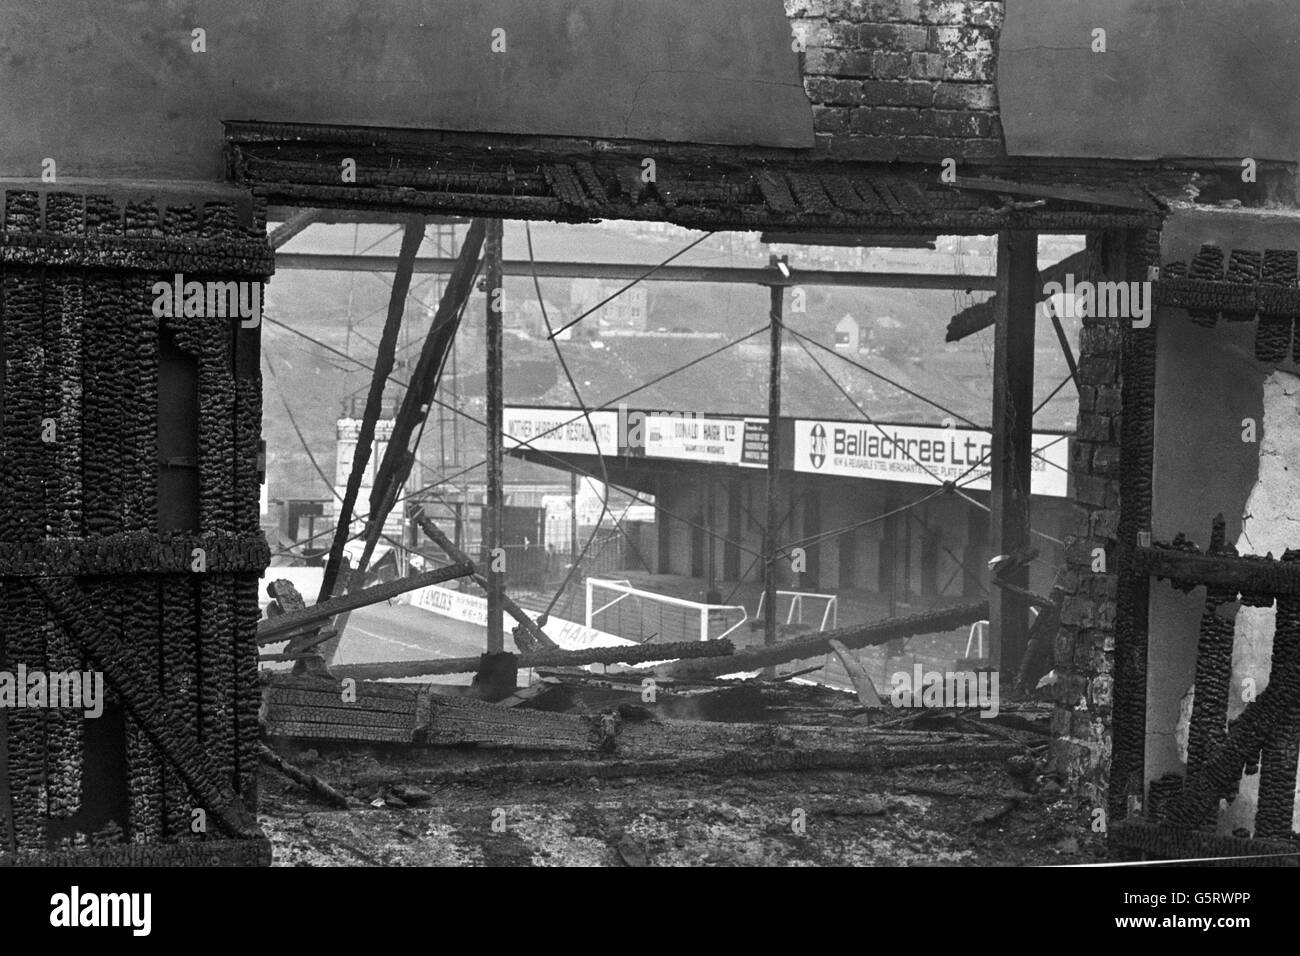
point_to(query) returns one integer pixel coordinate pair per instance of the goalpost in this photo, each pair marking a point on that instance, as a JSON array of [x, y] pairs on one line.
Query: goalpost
[[614, 606]]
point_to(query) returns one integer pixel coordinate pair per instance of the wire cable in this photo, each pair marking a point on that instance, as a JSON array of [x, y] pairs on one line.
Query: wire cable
[[595, 439], [605, 301]]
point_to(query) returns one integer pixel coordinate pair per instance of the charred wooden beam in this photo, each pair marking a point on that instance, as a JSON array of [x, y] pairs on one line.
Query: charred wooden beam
[[310, 782], [982, 315], [1172, 843], [817, 645], [885, 754], [495, 496], [868, 696], [1013, 438], [1247, 574], [528, 635], [1069, 192], [1281, 752], [1207, 726], [278, 628], [411, 240], [8, 836], [302, 707], [772, 517], [628, 654], [1066, 350], [295, 224], [399, 454], [105, 646]]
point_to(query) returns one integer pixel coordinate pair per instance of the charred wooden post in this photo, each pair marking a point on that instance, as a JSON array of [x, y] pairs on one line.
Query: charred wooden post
[[1129, 256], [1217, 776], [412, 237], [1208, 726], [277, 628], [399, 455], [623, 654], [493, 513], [773, 519], [1012, 453], [309, 782], [1281, 752]]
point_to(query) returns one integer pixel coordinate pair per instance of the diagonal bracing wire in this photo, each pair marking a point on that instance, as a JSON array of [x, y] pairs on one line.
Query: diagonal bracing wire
[[954, 484], [586, 414], [528, 443], [803, 338], [645, 275]]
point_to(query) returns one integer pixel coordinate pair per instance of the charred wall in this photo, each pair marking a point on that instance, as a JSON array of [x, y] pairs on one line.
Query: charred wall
[[129, 539]]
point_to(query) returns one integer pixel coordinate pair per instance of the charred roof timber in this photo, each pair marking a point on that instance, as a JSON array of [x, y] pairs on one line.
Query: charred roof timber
[[574, 180]]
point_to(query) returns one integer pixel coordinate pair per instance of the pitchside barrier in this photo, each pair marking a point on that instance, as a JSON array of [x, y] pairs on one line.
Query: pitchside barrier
[[472, 609]]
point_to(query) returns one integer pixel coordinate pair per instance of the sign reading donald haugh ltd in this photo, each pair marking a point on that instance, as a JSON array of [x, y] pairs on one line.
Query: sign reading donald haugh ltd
[[919, 454]]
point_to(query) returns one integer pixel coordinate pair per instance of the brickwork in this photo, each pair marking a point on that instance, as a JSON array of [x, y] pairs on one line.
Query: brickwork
[[901, 80]]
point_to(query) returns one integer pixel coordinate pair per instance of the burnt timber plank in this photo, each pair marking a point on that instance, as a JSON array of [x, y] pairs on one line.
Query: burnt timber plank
[[1124, 198], [279, 628], [1249, 574], [331, 699], [884, 754], [982, 315], [455, 721], [364, 689], [527, 625], [85, 622], [629, 654], [255, 851], [818, 645], [1178, 844], [279, 712], [308, 731], [412, 238], [396, 464]]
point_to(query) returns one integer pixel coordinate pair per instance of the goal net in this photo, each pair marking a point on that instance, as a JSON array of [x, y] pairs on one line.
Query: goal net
[[614, 606]]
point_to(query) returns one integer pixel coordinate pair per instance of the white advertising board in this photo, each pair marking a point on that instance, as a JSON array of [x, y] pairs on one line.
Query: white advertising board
[[691, 438], [559, 430], [920, 454], [472, 609]]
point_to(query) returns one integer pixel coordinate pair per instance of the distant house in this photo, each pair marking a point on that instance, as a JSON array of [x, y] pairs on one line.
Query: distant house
[[848, 336], [626, 312]]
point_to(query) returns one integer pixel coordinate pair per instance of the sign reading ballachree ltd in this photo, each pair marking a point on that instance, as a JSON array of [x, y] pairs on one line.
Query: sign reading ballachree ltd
[[920, 455]]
